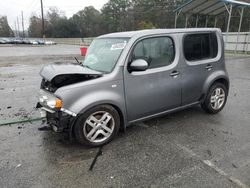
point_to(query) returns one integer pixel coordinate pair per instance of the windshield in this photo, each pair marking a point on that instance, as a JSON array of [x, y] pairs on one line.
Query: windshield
[[103, 53]]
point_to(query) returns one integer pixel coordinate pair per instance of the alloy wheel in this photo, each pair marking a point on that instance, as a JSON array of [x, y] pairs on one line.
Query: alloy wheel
[[217, 99], [99, 126]]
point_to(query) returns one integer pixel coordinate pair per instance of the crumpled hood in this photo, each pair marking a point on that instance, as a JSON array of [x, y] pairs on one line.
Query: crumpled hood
[[51, 71]]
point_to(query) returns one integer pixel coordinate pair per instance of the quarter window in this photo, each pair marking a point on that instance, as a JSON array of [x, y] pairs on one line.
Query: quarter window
[[200, 46], [158, 52]]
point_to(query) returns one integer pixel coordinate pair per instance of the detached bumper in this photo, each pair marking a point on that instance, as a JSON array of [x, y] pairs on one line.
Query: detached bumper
[[58, 120]]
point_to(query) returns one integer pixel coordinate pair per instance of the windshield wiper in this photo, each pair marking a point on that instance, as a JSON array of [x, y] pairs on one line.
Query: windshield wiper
[[77, 61]]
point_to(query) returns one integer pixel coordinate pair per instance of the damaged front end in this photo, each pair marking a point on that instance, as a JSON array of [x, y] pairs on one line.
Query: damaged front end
[[59, 75], [54, 77], [51, 109]]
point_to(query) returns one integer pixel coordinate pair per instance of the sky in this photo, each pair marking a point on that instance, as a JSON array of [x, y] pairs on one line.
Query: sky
[[13, 8]]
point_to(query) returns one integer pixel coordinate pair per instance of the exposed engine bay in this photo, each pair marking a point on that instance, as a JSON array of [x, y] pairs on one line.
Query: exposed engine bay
[[59, 75], [64, 80]]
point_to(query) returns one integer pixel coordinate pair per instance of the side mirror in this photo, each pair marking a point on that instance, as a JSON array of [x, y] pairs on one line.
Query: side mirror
[[138, 65]]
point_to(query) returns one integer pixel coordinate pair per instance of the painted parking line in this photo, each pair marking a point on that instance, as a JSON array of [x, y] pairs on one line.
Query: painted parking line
[[212, 166]]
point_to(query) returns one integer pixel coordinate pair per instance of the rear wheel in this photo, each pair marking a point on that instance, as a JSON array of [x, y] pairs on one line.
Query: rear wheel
[[215, 99], [97, 126]]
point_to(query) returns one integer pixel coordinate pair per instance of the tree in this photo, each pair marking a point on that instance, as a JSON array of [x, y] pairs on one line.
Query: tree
[[124, 15], [117, 15], [59, 26], [158, 12], [5, 30], [145, 25], [35, 27], [88, 22]]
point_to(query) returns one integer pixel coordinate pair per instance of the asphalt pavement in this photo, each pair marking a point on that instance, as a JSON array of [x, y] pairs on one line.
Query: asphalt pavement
[[184, 149]]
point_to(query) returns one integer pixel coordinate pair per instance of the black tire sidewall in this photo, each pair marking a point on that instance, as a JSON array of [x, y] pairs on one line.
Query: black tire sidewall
[[78, 128], [207, 103]]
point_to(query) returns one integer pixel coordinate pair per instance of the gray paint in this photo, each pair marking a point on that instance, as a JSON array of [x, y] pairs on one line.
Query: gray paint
[[140, 95], [50, 71]]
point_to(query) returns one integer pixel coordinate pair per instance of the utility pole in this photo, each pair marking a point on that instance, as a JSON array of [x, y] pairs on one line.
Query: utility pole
[[23, 25], [18, 34], [15, 30], [42, 19]]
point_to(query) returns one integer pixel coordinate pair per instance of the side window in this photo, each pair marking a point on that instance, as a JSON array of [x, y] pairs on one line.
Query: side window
[[158, 52], [200, 46]]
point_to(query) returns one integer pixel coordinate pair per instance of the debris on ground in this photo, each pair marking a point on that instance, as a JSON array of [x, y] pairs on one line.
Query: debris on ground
[[225, 132], [18, 165], [45, 128], [99, 153], [209, 153], [234, 165]]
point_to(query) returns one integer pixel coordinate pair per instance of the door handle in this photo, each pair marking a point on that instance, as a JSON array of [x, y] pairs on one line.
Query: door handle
[[209, 67], [174, 74]]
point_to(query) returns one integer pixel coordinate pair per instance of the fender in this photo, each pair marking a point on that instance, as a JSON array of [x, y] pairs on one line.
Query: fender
[[220, 74], [102, 97]]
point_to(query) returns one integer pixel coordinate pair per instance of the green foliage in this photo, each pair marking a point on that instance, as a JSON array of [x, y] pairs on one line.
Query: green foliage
[[58, 26], [35, 27], [117, 15], [145, 25], [87, 22], [5, 30], [123, 15]]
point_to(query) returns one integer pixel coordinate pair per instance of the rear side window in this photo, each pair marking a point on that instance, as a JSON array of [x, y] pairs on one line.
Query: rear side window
[[158, 51], [200, 46]]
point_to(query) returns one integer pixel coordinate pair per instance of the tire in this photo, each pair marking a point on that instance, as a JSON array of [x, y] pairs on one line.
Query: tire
[[97, 126], [215, 100]]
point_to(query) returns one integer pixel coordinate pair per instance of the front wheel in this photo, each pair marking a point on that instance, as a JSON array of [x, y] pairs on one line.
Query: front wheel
[[97, 126], [215, 99]]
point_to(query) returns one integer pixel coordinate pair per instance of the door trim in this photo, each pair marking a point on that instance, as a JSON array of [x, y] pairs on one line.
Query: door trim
[[164, 112], [173, 65]]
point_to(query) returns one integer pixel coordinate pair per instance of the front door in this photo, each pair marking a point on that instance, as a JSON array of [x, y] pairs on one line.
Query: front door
[[159, 87]]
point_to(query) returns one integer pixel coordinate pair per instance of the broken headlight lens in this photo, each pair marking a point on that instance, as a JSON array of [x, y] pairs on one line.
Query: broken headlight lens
[[49, 100], [56, 103]]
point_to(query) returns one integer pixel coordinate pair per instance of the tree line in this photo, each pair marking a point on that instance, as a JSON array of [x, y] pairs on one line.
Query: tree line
[[5, 30], [121, 15], [115, 15]]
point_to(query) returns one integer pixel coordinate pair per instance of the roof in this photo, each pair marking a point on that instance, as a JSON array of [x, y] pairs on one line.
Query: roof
[[209, 7], [139, 33]]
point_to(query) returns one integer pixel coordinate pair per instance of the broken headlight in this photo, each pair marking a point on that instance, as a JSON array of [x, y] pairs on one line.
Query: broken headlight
[[48, 100]]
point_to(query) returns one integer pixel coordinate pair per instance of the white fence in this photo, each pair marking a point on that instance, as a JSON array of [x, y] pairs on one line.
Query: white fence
[[73, 41], [237, 43]]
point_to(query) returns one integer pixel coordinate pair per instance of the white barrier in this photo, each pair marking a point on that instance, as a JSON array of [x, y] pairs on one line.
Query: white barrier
[[237, 42]]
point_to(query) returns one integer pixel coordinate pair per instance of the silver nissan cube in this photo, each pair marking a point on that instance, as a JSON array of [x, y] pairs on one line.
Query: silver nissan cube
[[134, 76]]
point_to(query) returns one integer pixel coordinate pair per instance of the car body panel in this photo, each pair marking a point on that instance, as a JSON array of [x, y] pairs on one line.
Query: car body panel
[[154, 90], [141, 95], [50, 71]]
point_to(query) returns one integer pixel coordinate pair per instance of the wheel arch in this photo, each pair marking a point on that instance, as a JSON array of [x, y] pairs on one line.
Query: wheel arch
[[122, 116], [220, 77]]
